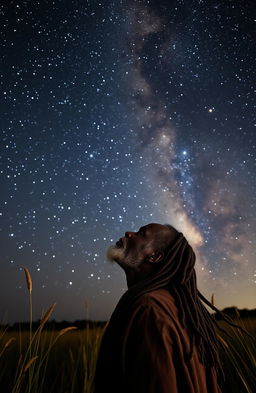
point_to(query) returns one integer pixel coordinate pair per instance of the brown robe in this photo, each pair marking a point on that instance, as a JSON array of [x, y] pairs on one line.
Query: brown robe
[[145, 352]]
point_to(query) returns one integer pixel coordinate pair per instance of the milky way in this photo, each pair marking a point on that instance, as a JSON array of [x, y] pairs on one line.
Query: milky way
[[114, 115]]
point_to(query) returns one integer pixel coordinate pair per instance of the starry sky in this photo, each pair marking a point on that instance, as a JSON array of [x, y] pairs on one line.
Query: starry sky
[[115, 115]]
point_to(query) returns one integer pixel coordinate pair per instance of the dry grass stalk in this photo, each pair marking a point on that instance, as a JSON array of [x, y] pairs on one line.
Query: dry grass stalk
[[28, 279], [67, 329], [212, 299], [6, 345], [29, 363], [47, 314], [20, 359]]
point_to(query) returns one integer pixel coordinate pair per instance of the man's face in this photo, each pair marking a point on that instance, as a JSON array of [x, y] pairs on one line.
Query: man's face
[[135, 248]]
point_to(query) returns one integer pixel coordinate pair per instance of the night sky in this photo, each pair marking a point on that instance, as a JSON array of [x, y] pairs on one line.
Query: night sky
[[115, 115]]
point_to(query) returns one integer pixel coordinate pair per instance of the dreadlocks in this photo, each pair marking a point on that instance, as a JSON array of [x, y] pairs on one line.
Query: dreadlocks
[[193, 314]]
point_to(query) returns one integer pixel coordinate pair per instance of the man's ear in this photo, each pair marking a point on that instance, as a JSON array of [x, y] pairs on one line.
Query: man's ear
[[155, 257]]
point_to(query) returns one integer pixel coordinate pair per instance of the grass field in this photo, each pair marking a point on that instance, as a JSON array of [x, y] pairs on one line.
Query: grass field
[[64, 361], [238, 357]]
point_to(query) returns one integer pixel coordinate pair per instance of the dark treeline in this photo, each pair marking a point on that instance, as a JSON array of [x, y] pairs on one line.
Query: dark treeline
[[54, 325], [232, 312]]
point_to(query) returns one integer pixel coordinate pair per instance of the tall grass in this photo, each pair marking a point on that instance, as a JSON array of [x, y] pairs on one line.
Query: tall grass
[[65, 363], [31, 362], [238, 355], [48, 361]]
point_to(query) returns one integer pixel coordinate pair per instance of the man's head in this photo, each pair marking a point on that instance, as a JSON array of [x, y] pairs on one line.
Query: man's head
[[140, 252]]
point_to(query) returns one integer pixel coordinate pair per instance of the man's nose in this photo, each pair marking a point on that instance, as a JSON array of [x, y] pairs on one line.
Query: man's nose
[[129, 234]]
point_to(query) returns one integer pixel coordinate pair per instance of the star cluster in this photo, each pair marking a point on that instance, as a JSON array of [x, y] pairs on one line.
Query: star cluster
[[114, 116]]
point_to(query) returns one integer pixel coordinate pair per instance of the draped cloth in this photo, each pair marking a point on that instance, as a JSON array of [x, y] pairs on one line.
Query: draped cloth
[[144, 347]]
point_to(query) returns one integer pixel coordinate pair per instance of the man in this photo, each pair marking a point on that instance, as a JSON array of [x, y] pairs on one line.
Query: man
[[160, 338]]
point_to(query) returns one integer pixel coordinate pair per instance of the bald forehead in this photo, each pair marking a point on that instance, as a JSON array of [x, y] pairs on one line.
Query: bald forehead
[[155, 227], [161, 233]]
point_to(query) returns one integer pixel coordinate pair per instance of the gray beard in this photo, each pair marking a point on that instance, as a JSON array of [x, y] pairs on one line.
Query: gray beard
[[117, 254]]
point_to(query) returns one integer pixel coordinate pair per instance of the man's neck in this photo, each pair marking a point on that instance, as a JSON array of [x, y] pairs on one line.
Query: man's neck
[[133, 277]]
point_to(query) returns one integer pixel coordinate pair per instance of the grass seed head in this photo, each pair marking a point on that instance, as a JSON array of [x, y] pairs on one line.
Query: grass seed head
[[67, 329], [6, 345], [29, 363], [28, 279], [47, 315]]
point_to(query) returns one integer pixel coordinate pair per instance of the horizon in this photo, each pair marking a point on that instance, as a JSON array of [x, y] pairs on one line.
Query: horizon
[[52, 320]]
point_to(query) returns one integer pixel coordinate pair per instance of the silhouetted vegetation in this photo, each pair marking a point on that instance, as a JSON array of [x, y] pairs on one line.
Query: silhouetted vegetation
[[54, 325], [60, 357]]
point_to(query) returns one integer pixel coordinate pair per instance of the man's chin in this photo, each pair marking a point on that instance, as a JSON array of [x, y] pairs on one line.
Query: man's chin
[[115, 254]]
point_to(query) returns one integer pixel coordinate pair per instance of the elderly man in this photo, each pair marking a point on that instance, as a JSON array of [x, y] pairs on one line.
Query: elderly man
[[160, 338]]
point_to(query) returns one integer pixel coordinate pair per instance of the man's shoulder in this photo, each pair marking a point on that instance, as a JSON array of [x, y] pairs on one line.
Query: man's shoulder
[[159, 300], [159, 307], [156, 296]]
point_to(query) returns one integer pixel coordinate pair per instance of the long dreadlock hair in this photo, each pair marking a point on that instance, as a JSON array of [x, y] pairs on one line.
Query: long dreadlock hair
[[177, 274], [193, 314]]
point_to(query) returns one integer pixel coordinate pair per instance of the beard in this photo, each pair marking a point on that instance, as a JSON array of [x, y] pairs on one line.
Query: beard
[[119, 255], [115, 254]]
